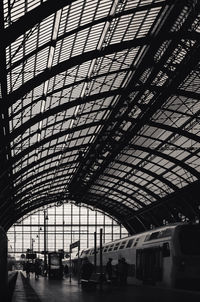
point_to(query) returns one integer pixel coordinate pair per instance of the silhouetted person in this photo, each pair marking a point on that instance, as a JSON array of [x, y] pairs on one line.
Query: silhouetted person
[[86, 269], [123, 271], [66, 270], [37, 269], [109, 269], [27, 269]]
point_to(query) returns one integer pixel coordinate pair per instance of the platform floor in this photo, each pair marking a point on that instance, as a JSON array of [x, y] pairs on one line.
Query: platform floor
[[45, 290]]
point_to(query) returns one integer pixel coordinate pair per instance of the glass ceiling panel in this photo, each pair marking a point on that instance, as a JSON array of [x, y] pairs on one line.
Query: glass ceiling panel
[[94, 99]]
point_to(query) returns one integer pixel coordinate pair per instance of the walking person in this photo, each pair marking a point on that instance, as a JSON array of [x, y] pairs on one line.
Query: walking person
[[27, 269], [109, 269], [123, 271], [87, 269], [37, 269]]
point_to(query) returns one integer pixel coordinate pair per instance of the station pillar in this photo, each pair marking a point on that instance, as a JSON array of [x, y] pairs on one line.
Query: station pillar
[[3, 265]]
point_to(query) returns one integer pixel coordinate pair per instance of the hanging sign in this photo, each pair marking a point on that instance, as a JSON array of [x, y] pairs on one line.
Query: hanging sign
[[75, 244]]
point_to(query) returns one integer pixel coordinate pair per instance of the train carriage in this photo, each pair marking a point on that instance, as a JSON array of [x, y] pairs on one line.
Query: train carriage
[[168, 256]]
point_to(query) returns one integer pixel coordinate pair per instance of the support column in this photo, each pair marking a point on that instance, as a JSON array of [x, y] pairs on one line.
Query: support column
[[3, 265]]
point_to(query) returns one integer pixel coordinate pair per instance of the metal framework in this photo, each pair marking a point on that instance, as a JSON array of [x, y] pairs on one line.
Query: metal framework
[[100, 105], [64, 224]]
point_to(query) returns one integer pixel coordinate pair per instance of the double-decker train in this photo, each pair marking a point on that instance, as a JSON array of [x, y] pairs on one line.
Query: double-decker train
[[167, 256]]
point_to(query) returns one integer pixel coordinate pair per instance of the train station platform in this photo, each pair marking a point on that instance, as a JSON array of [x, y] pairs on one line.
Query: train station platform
[[45, 290]]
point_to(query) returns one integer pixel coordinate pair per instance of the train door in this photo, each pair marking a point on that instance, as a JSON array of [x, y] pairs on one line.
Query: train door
[[149, 265]]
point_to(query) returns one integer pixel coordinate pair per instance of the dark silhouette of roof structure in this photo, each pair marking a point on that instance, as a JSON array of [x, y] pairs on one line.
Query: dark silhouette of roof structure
[[100, 105]]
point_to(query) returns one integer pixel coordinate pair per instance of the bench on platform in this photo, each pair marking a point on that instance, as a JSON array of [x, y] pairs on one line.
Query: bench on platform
[[88, 284]]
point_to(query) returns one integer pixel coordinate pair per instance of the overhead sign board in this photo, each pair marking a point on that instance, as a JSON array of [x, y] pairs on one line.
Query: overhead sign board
[[75, 244]]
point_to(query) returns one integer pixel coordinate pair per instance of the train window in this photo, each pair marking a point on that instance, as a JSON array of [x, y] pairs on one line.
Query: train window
[[154, 235], [130, 242], [122, 245], [116, 246], [165, 233], [147, 237], [136, 241], [110, 247], [166, 249], [105, 249]]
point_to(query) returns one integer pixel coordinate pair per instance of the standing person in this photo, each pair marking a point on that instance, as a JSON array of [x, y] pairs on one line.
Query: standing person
[[109, 269], [123, 271], [87, 269], [66, 270], [37, 269], [27, 269]]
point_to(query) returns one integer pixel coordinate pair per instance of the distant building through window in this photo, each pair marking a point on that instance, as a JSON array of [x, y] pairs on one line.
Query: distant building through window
[[64, 225]]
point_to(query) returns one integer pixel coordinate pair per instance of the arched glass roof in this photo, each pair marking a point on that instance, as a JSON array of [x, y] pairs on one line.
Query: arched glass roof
[[100, 105]]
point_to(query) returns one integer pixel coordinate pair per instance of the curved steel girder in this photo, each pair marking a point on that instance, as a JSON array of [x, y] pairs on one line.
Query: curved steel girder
[[42, 174], [52, 137], [91, 200], [69, 63], [78, 60], [187, 63], [135, 184], [63, 107], [56, 186], [168, 158], [44, 141], [187, 94], [37, 177], [129, 196], [49, 125], [148, 172], [47, 157], [175, 198], [108, 18], [157, 164], [33, 17], [149, 192], [18, 187], [109, 202], [69, 86], [30, 166], [174, 130]]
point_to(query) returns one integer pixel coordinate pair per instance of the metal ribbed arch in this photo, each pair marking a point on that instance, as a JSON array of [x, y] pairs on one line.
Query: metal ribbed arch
[[74, 61], [41, 185], [44, 141], [166, 169], [110, 203], [33, 17], [58, 122], [91, 198], [151, 110], [83, 27], [175, 131], [44, 171], [20, 196], [130, 73], [149, 192], [137, 201], [70, 86], [159, 166], [154, 175], [39, 176], [142, 178], [46, 158], [167, 157], [63, 107]]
